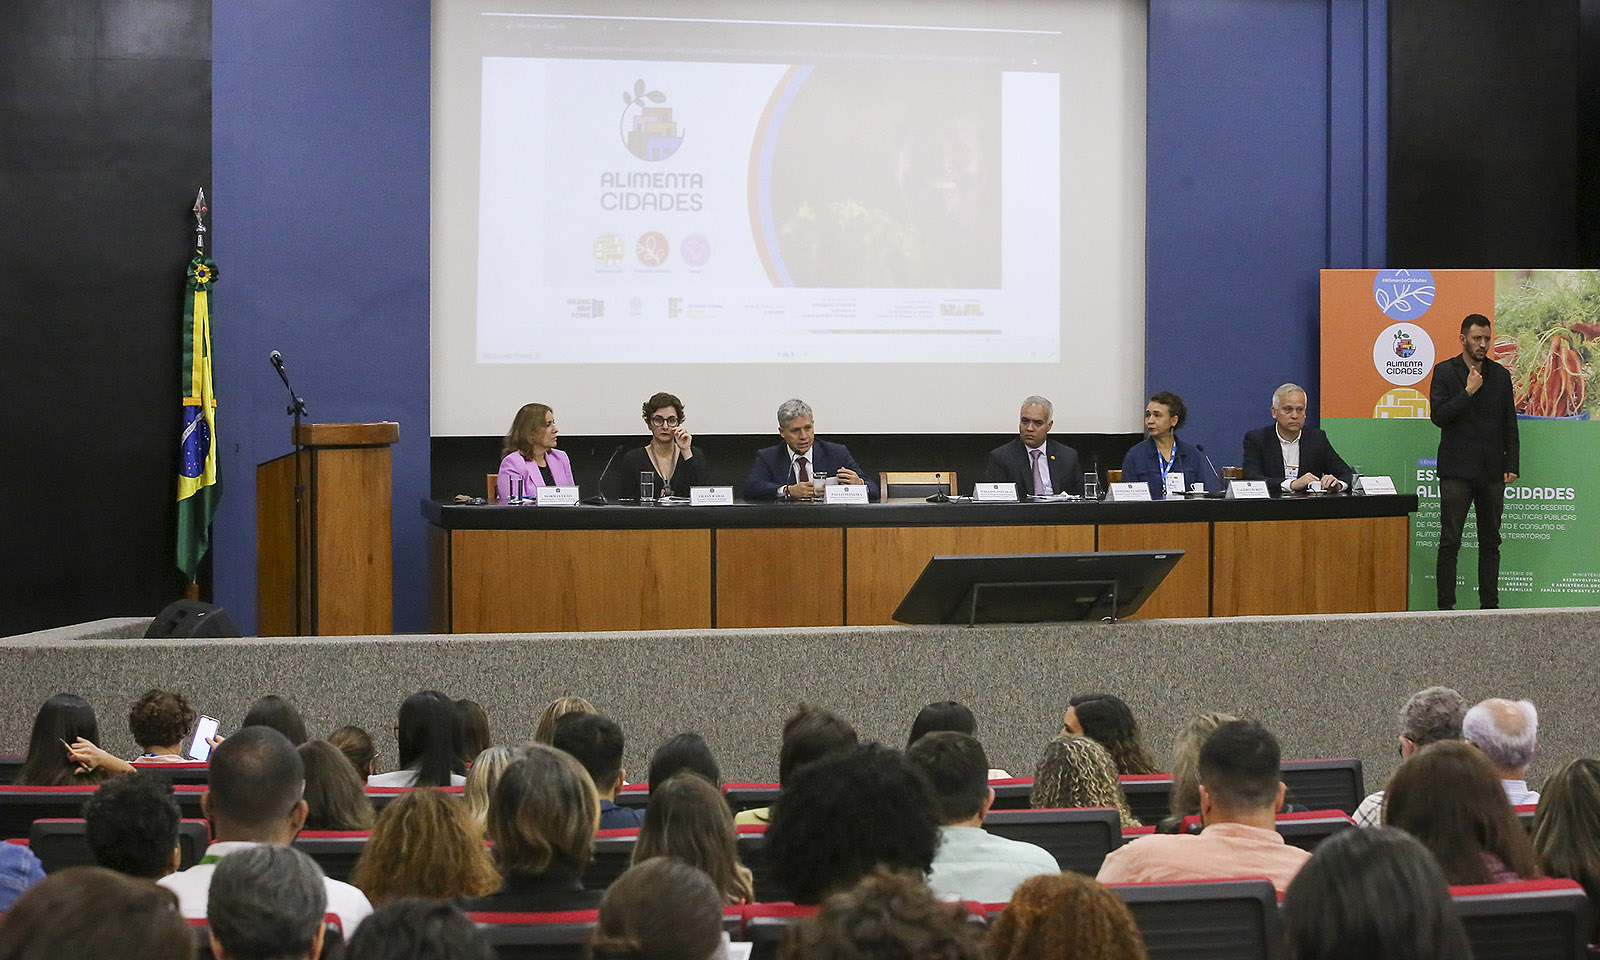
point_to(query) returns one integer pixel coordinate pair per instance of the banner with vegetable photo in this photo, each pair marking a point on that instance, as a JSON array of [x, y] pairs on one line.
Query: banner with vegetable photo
[[1382, 332]]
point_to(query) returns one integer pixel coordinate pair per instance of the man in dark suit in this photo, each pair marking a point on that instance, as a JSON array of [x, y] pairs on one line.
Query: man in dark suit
[[791, 469], [1038, 465], [1472, 405], [1291, 456]]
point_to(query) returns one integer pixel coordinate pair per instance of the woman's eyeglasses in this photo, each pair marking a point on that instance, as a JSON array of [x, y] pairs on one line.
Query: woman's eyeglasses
[[659, 421]]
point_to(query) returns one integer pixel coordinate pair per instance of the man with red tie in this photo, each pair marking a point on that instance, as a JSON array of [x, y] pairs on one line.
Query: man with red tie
[[1038, 465], [795, 468]]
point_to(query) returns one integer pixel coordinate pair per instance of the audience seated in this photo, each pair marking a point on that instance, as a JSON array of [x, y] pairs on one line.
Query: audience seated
[[843, 815], [425, 844], [96, 914], [596, 741], [660, 909], [416, 929], [972, 864], [1109, 721], [809, 734], [1566, 827], [159, 721], [1077, 772], [429, 733], [267, 903], [1428, 716], [688, 819], [1507, 731], [1448, 797], [279, 714], [1240, 793], [481, 779], [555, 710], [1183, 800], [948, 715], [357, 747], [475, 736], [685, 751], [1370, 894], [131, 825], [1065, 916], [63, 719], [334, 796], [254, 799], [888, 915], [542, 820]]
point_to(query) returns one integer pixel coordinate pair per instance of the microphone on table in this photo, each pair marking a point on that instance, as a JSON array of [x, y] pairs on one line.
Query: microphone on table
[[941, 496], [1214, 471], [276, 358], [599, 499]]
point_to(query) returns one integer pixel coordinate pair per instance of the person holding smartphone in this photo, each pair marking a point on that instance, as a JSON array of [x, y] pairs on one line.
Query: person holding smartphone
[[671, 456], [159, 721]]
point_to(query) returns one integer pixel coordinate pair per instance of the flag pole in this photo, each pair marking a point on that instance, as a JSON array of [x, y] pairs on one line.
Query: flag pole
[[191, 590]]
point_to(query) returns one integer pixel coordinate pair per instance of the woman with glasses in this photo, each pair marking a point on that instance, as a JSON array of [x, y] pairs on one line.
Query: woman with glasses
[[671, 456]]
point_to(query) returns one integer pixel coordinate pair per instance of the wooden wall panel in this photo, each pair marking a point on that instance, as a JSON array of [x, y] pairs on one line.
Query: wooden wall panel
[[275, 546], [883, 562], [1356, 565], [549, 580], [778, 577], [354, 564], [1187, 590], [438, 579]]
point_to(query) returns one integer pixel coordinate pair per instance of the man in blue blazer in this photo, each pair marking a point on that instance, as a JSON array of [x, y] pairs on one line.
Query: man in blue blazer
[[1291, 456], [788, 471], [1034, 461]]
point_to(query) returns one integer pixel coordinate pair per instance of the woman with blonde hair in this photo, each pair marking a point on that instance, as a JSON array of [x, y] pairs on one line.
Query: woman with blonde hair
[[530, 454], [542, 820], [1566, 827], [555, 710], [1078, 772], [1184, 798], [481, 779], [688, 819], [424, 845], [1065, 916]]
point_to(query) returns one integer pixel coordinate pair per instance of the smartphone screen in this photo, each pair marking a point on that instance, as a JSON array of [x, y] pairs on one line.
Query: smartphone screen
[[204, 730]]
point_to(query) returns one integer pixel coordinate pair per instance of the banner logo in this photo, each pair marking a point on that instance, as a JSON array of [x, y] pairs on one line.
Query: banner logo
[[1403, 294], [1403, 354], [1401, 403], [648, 132]]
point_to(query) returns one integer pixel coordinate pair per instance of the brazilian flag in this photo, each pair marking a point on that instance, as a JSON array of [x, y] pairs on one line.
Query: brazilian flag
[[199, 487]]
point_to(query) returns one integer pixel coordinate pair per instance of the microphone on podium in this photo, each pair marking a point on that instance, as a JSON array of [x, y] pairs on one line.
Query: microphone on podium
[[1214, 471]]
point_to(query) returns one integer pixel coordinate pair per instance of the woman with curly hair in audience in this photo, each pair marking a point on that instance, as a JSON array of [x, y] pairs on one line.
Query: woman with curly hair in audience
[[334, 797], [429, 734], [1078, 772], [1566, 827], [660, 909], [542, 820], [1373, 894], [425, 845], [62, 750], [1065, 916], [1109, 721], [481, 779], [887, 914], [1449, 797], [688, 819], [555, 710], [159, 721]]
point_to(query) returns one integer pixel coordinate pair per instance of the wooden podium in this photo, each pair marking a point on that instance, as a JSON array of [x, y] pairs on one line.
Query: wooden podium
[[329, 571]]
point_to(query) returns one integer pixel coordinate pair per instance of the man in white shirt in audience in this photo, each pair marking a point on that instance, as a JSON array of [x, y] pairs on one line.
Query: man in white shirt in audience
[[1507, 733], [971, 864], [1428, 716], [254, 798], [1240, 794]]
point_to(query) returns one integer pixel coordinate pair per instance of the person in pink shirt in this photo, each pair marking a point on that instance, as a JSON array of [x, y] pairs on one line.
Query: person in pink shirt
[[530, 453], [1240, 794]]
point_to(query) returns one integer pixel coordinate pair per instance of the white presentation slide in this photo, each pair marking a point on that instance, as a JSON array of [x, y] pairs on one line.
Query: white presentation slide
[[743, 201]]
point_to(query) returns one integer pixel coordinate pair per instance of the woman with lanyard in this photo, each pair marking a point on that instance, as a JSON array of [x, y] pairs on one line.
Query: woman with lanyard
[[1161, 456], [671, 457]]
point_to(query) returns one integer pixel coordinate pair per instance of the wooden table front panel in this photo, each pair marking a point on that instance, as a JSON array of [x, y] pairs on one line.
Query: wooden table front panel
[[354, 565], [780, 577], [1187, 590], [883, 562], [557, 580], [1356, 565]]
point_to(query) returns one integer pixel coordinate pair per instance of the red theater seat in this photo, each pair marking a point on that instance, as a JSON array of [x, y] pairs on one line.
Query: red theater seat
[[336, 851], [64, 843], [187, 771], [1079, 839], [1530, 920], [1206, 920], [557, 935]]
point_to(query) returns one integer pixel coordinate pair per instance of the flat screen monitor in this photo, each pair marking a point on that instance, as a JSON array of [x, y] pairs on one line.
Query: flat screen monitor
[[1035, 587]]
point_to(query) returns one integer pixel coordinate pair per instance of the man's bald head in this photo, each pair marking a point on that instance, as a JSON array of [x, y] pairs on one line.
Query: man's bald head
[[1506, 731]]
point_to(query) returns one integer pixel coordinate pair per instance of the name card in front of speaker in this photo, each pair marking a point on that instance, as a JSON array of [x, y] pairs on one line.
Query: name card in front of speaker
[[1372, 486], [556, 496], [1129, 492], [711, 496], [844, 493], [994, 492], [1248, 490]]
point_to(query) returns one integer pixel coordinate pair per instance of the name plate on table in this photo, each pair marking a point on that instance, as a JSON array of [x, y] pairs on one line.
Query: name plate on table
[[711, 496], [1248, 490], [1129, 492], [844, 493], [1375, 485], [994, 492], [1175, 484], [556, 496]]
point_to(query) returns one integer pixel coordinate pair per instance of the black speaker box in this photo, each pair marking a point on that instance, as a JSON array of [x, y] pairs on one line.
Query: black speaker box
[[192, 618]]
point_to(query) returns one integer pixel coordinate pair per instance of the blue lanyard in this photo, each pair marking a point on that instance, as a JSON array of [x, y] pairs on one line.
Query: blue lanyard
[[1166, 465]]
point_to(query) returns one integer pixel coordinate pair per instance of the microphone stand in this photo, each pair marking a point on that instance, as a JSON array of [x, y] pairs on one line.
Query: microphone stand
[[297, 407], [599, 499]]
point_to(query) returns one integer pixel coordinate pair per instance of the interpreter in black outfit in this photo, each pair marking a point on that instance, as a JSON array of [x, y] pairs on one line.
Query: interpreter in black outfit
[[1472, 403], [671, 454]]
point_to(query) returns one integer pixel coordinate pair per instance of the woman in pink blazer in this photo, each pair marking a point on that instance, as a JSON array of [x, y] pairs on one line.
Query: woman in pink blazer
[[531, 454]]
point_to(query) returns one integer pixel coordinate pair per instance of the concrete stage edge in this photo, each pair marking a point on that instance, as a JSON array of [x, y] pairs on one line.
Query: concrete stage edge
[[1329, 686]]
